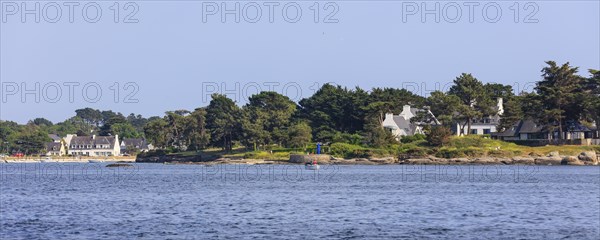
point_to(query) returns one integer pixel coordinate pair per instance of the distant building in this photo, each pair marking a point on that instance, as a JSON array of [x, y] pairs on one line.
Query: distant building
[[55, 138], [485, 125], [94, 145], [136, 144], [400, 125], [55, 149], [531, 133]]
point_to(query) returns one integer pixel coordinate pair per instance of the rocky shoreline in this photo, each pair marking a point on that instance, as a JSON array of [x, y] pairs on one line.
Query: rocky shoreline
[[554, 158]]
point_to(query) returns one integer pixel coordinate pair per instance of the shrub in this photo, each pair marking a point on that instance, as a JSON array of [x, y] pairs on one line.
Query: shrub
[[473, 152], [154, 153], [439, 136], [467, 141], [449, 153], [379, 152], [413, 138], [354, 139], [412, 150], [347, 150]]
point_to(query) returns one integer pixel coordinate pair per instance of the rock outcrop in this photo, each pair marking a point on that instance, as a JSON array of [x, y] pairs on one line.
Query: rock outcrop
[[554, 154], [119, 165], [571, 160], [385, 160], [548, 161], [168, 158], [588, 158]]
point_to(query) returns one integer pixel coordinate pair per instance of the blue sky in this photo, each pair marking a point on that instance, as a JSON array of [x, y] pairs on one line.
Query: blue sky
[[173, 60]]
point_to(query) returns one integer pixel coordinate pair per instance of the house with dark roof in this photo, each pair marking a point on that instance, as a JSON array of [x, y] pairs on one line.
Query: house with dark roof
[[55, 138], [528, 131], [55, 149], [400, 125], [95, 146], [135, 144]]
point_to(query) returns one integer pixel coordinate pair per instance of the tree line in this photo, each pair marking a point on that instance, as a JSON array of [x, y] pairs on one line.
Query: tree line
[[332, 114]]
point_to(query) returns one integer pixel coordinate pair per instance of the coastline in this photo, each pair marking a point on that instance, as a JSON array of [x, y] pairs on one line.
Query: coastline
[[584, 159], [65, 160]]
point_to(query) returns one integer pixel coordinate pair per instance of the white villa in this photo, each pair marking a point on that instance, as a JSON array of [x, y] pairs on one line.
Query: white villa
[[94, 145], [56, 147], [400, 125], [486, 125]]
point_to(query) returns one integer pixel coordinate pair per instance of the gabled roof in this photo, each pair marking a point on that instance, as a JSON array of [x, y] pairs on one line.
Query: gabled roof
[[54, 137], [89, 140], [405, 125], [401, 122], [577, 127], [135, 142], [529, 126], [512, 131], [414, 111], [53, 146]]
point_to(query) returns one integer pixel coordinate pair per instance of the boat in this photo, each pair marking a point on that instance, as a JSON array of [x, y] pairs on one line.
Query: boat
[[94, 161], [312, 166]]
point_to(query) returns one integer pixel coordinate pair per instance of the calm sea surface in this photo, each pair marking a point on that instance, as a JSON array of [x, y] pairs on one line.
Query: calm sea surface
[[154, 201]]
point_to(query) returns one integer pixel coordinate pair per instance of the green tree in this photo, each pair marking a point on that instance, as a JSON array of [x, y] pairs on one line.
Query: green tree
[[438, 136], [156, 132], [591, 96], [41, 122], [475, 102], [300, 134], [222, 115], [137, 121], [196, 131], [334, 109], [30, 140], [376, 136], [124, 130], [558, 97], [513, 112], [444, 107], [267, 117], [107, 127], [89, 116], [177, 124], [496, 90]]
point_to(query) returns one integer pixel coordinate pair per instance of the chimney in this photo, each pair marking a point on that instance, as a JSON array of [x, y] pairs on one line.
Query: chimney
[[389, 116], [406, 108], [500, 106], [406, 113]]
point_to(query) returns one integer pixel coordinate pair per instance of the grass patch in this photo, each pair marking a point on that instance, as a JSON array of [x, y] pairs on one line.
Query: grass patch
[[477, 145], [264, 155], [457, 147]]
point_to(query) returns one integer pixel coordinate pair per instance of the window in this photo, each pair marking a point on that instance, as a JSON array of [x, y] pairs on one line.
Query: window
[[473, 131], [487, 131]]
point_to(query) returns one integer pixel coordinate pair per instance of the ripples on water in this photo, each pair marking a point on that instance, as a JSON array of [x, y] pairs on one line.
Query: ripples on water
[[73, 201]]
